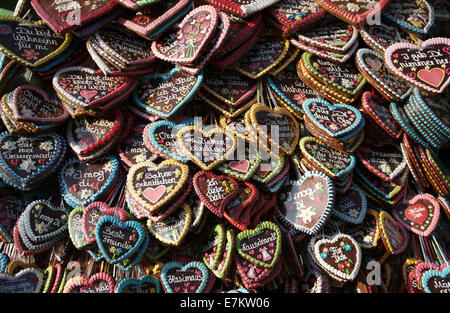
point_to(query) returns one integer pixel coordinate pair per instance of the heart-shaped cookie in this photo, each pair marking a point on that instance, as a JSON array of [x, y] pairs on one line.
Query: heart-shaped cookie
[[132, 149], [145, 284], [436, 281], [163, 94], [32, 104], [31, 44], [264, 56], [420, 215], [393, 235], [367, 233], [206, 148], [75, 226], [86, 88], [426, 66], [351, 206], [355, 12], [276, 126], [161, 137], [334, 163], [63, 16], [153, 187], [43, 221], [213, 247], [339, 255], [215, 191], [190, 278], [92, 213], [83, 183], [183, 44], [261, 245], [172, 229], [371, 65], [26, 160], [245, 163], [387, 161], [307, 201], [118, 240], [28, 280], [414, 16], [97, 283], [338, 121], [88, 134]]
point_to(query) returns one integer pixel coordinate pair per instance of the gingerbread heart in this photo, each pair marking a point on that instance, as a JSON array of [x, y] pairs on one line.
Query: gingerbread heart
[[97, 283], [83, 183], [355, 12], [213, 247], [333, 162], [215, 191], [426, 66], [261, 245], [393, 235], [278, 126], [28, 280], [153, 187], [351, 206], [44, 222], [264, 56], [86, 88], [183, 44], [30, 44], [207, 149], [30, 159], [307, 201], [64, 16], [173, 228], [118, 240], [132, 150], [190, 278], [93, 213], [436, 281], [32, 104], [420, 216], [338, 121], [339, 255], [416, 16], [367, 233], [164, 94], [91, 133]]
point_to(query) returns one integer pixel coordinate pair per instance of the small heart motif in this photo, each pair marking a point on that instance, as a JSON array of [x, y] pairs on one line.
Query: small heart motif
[[154, 194], [88, 94]]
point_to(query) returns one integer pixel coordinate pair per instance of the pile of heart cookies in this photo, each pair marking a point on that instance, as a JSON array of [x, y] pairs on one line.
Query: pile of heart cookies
[[224, 146]]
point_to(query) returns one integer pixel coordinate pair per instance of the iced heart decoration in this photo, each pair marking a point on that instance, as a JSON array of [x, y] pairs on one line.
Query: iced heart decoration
[[337, 120], [28, 280], [83, 183], [118, 240], [355, 11], [393, 235], [27, 159], [32, 104], [215, 191], [190, 278], [351, 206], [31, 44], [261, 245], [339, 255], [62, 16], [44, 222], [307, 201], [426, 66], [93, 213], [163, 94], [277, 126], [420, 215], [152, 187], [97, 283], [184, 44], [145, 284], [436, 281], [206, 148], [86, 88]]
